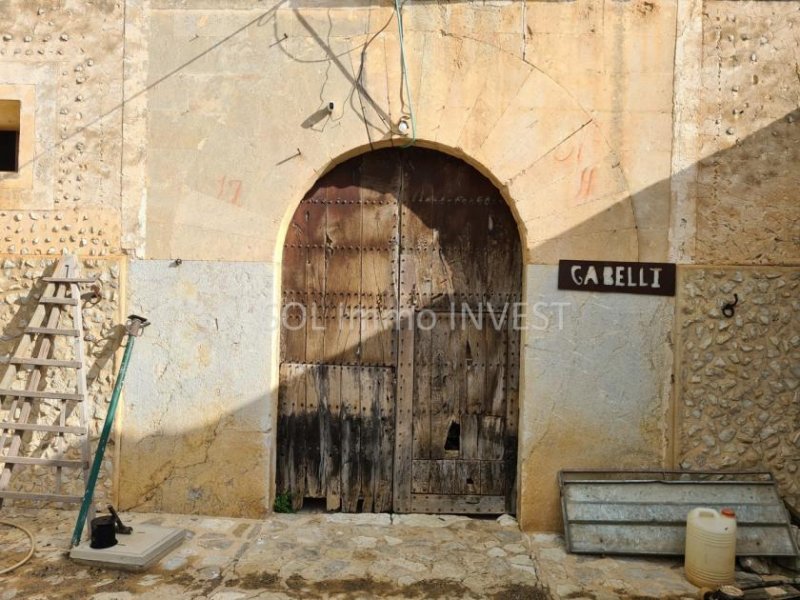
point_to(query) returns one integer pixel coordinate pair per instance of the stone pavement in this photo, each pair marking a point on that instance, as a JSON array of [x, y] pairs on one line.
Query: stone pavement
[[319, 555]]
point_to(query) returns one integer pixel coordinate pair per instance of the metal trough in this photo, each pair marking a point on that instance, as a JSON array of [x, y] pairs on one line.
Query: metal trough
[[644, 512]]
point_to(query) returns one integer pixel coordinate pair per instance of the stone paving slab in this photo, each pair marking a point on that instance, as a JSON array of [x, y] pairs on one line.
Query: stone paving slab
[[287, 556], [322, 555]]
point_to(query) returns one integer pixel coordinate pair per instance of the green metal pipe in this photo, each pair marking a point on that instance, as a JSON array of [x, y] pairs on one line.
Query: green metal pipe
[[101, 446]]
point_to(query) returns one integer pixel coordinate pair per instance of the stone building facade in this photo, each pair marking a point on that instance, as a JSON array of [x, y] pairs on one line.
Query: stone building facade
[[648, 130]]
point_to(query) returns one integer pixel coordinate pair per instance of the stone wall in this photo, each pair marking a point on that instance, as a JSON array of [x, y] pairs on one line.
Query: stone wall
[[67, 194], [20, 288], [739, 378], [736, 133]]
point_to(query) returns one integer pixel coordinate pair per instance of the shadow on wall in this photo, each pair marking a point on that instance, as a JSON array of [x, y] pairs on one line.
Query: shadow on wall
[[209, 441], [197, 439]]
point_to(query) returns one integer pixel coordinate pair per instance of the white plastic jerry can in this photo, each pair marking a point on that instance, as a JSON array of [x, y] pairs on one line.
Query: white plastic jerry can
[[710, 547]]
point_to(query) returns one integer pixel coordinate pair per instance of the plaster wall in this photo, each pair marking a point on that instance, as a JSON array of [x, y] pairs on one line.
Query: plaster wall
[[197, 426], [596, 388]]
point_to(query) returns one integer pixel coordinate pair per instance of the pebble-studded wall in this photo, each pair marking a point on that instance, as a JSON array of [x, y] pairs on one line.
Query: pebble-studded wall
[[70, 53], [747, 208], [20, 288], [739, 377]]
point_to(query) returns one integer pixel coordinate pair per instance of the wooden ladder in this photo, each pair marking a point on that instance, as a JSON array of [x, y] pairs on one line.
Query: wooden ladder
[[29, 363]]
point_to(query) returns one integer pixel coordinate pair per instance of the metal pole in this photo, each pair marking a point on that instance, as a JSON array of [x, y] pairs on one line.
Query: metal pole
[[134, 328]]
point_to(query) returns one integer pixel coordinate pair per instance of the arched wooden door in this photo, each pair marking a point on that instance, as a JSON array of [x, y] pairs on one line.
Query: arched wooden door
[[399, 369]]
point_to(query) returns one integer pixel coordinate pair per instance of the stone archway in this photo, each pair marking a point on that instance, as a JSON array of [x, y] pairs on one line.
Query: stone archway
[[399, 351]]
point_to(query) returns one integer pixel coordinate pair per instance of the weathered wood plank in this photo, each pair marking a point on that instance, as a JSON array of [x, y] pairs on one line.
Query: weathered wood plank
[[467, 477], [448, 384], [378, 338], [442, 479], [420, 476], [314, 434], [475, 359], [297, 433], [416, 249], [470, 425], [316, 311], [495, 391], [342, 337], [351, 438], [493, 478], [331, 399], [422, 394], [436, 503], [512, 419], [291, 432], [283, 444], [504, 252], [383, 487], [459, 274], [491, 445], [404, 418], [371, 384]]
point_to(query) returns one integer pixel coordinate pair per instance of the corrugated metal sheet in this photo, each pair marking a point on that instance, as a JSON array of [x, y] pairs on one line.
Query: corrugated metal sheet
[[644, 512]]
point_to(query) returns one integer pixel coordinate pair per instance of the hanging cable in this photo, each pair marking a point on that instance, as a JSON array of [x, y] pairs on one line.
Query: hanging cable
[[398, 7]]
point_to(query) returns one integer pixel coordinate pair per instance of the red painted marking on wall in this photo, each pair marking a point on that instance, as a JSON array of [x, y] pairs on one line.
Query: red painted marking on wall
[[230, 190], [587, 179]]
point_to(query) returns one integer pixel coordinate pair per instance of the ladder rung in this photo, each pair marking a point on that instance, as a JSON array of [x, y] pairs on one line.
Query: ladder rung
[[45, 362], [43, 394], [48, 331], [69, 279], [45, 497], [37, 427], [49, 462], [54, 300]]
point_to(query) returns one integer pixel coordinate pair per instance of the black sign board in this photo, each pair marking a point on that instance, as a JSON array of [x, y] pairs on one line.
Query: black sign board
[[656, 279]]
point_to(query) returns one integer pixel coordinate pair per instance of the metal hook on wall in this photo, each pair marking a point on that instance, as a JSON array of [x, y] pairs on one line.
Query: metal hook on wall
[[728, 309]]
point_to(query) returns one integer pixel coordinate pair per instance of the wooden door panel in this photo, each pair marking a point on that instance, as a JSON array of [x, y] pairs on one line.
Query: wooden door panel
[[459, 246], [414, 231], [336, 392]]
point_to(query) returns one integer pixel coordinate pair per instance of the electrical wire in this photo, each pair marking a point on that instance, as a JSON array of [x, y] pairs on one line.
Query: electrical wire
[[398, 7], [30, 552]]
